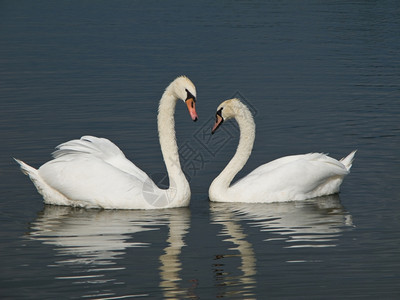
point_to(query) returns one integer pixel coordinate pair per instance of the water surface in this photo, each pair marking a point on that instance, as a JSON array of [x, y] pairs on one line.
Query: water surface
[[319, 77]]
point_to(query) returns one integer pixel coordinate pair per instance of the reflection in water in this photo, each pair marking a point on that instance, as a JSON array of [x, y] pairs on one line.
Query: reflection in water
[[91, 241], [243, 284], [312, 223], [170, 263]]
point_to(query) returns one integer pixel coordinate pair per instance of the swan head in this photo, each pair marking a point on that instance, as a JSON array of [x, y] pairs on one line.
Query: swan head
[[227, 110], [184, 89]]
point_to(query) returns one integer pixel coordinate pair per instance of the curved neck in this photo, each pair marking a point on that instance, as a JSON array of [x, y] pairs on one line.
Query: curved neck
[[169, 147], [247, 135]]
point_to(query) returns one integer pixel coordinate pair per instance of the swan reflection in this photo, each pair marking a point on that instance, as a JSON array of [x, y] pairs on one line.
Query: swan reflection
[[170, 263], [233, 285], [316, 222], [92, 242]]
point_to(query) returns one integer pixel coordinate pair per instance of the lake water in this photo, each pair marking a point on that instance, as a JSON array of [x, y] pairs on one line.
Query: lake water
[[318, 75]]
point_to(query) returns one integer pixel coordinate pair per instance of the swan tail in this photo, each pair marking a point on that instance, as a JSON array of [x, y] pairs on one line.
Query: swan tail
[[348, 160], [50, 195], [26, 169], [32, 173]]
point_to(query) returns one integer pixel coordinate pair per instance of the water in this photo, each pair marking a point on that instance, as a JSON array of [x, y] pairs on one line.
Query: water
[[319, 76]]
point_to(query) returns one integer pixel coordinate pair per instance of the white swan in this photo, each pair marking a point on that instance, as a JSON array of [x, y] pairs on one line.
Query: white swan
[[295, 177], [93, 172]]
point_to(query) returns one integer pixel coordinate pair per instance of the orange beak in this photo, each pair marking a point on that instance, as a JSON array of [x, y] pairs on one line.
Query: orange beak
[[218, 122], [191, 105]]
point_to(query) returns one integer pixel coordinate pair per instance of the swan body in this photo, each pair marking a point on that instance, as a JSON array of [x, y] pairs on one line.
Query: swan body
[[94, 172], [295, 177]]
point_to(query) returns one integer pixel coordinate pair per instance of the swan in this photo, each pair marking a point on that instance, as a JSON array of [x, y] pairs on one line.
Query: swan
[[295, 177], [94, 173]]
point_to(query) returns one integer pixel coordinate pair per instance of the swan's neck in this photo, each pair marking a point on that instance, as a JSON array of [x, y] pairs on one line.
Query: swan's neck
[[220, 185], [179, 189]]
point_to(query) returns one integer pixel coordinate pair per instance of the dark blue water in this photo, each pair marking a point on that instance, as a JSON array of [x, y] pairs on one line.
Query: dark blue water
[[319, 76]]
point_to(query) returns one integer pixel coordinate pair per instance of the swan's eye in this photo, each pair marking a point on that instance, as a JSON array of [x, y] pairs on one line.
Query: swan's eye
[[219, 112], [218, 120], [190, 96]]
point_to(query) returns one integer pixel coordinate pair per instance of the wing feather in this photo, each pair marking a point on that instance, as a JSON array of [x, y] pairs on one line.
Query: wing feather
[[101, 148]]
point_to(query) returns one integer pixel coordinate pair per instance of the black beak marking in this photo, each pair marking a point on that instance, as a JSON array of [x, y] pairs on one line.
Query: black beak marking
[[218, 113], [190, 96]]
